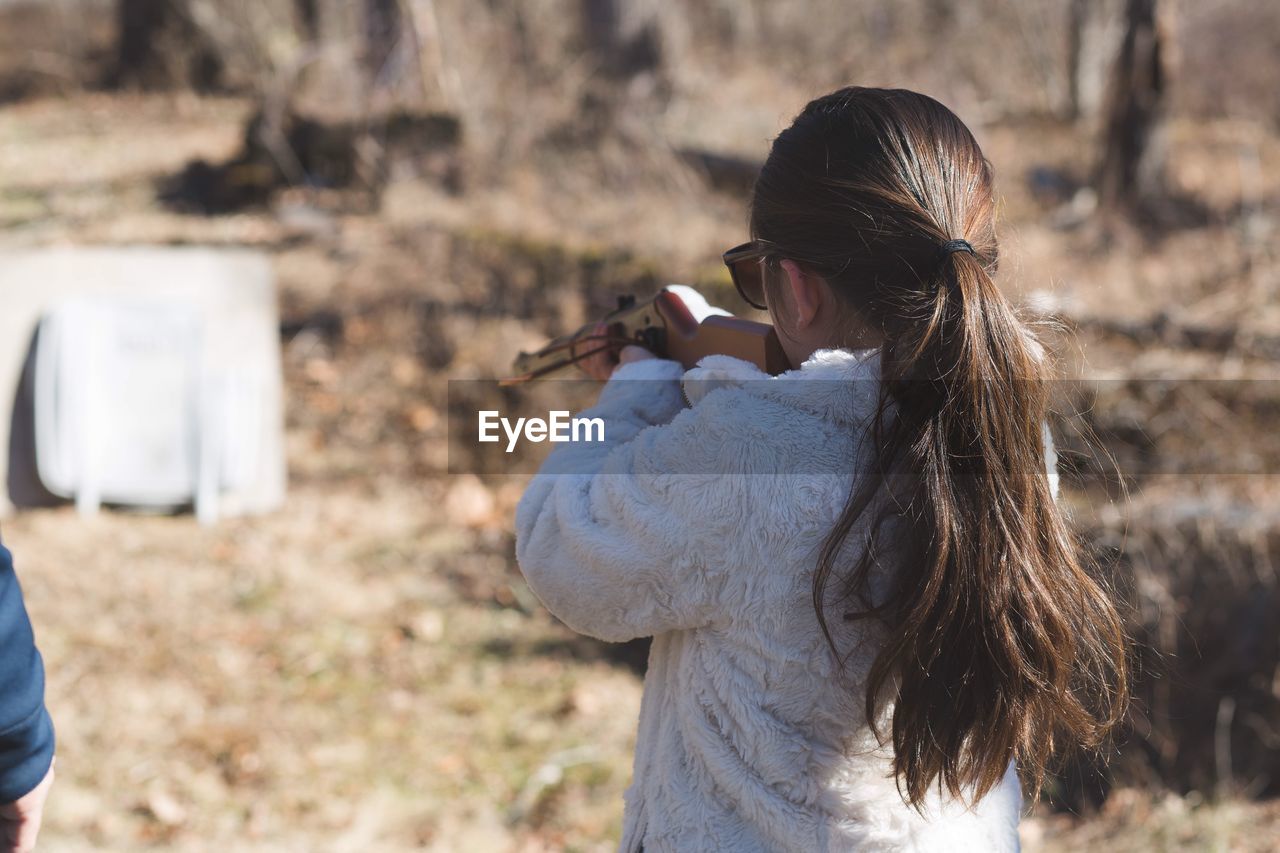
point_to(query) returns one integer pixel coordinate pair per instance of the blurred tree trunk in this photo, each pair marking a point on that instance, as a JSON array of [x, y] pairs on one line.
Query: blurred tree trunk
[[624, 42], [1131, 172], [382, 30], [1077, 14], [159, 46], [602, 28], [140, 23], [308, 13], [623, 38]]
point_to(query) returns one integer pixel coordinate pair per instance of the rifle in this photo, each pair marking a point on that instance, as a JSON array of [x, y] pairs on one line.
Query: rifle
[[665, 326]]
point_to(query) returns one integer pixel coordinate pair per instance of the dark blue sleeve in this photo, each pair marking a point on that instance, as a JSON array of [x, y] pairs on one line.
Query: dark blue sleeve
[[26, 732]]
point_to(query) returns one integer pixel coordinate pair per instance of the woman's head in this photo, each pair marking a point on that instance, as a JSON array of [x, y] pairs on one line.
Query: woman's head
[[1000, 644], [860, 194]]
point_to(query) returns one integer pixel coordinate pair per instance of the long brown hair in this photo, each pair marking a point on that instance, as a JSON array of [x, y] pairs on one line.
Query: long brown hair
[[1000, 644]]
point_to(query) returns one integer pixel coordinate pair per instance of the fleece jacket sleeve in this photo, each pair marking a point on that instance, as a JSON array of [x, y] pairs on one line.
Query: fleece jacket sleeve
[[26, 732], [613, 536]]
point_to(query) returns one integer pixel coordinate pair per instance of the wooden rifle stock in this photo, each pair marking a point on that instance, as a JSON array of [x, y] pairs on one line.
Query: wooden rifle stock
[[665, 326]]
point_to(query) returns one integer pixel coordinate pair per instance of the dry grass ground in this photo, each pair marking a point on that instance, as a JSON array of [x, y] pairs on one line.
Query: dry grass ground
[[314, 681], [364, 670]]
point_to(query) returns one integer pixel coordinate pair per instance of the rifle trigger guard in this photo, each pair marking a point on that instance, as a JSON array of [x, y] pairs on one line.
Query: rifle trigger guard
[[653, 339]]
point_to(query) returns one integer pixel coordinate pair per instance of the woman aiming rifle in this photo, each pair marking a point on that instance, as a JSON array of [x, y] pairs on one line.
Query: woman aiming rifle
[[869, 616]]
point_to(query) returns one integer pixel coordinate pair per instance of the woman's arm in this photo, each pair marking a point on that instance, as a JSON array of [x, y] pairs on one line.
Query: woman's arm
[[613, 536]]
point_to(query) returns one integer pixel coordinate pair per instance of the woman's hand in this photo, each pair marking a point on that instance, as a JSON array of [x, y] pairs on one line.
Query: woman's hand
[[602, 364], [20, 820]]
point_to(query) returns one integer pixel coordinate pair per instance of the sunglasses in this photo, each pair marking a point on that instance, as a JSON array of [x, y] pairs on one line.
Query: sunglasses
[[747, 272]]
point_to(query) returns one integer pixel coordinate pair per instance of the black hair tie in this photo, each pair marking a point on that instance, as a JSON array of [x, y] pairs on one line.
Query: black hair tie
[[951, 246]]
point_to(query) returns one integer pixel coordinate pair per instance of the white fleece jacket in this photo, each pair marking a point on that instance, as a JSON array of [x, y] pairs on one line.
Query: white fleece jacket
[[750, 737]]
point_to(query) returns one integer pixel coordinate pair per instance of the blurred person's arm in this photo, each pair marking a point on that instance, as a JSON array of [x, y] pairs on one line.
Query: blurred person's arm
[[26, 731]]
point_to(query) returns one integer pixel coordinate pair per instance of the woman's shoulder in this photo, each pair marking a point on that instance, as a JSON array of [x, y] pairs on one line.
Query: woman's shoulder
[[740, 420], [839, 387]]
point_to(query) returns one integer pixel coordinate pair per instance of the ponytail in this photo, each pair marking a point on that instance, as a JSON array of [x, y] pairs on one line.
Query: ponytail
[[999, 645]]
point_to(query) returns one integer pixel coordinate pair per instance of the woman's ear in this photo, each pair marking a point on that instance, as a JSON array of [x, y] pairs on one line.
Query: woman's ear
[[805, 290]]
